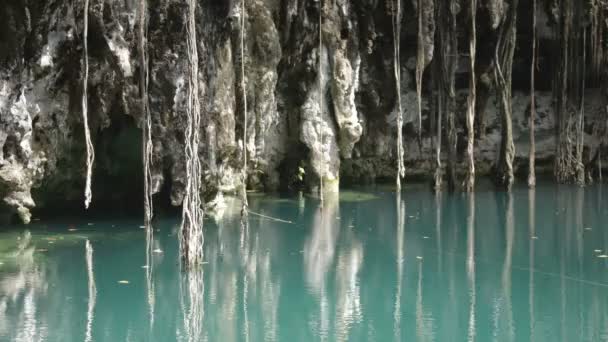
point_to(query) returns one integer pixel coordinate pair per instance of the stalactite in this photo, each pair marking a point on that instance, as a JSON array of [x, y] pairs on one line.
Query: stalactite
[[191, 240], [505, 49], [599, 164], [244, 89], [450, 55], [440, 101], [563, 157], [88, 195], [469, 184], [424, 52], [397, 67], [580, 166], [532, 152]]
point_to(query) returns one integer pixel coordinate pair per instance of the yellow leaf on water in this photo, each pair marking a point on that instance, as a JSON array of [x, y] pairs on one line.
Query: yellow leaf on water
[[123, 281]]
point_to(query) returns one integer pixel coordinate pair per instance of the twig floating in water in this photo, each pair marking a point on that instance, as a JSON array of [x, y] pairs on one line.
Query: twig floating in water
[[270, 217]]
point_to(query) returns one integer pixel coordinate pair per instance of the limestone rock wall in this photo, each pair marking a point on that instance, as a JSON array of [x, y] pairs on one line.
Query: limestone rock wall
[[325, 105]]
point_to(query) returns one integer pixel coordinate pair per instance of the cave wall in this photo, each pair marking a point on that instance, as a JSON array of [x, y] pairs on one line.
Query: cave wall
[[349, 136]]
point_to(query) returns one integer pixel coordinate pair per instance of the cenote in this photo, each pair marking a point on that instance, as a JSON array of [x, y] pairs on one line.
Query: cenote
[[303, 170], [366, 265]]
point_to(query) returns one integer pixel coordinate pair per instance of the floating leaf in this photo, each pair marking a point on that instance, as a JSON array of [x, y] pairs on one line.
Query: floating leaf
[[123, 281]]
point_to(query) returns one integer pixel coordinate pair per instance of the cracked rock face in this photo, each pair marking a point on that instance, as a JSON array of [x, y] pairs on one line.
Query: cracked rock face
[[350, 135]]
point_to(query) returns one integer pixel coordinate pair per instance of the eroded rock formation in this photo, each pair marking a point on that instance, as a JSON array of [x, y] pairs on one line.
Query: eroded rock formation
[[349, 137]]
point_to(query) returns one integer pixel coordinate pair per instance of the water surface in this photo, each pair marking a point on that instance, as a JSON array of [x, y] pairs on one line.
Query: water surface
[[369, 266]]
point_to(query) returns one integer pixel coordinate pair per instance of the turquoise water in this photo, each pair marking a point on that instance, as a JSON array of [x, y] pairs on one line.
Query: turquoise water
[[372, 266]]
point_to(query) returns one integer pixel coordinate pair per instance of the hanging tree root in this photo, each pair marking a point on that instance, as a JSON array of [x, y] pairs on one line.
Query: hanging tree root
[[88, 195], [505, 49], [147, 124], [147, 156], [580, 166], [396, 25], [244, 89], [469, 183], [192, 239], [320, 77], [564, 161], [532, 152]]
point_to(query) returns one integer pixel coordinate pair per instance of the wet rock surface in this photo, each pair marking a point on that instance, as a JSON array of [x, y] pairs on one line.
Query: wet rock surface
[[349, 135]]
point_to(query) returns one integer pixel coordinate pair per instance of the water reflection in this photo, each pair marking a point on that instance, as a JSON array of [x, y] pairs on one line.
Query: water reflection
[[319, 251], [92, 290], [471, 265], [22, 287], [507, 267], [149, 267], [532, 253], [400, 259], [192, 292], [348, 291], [496, 267], [320, 247]]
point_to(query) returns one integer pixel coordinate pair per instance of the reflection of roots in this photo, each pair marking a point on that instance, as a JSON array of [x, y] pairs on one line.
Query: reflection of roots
[[92, 291], [193, 304]]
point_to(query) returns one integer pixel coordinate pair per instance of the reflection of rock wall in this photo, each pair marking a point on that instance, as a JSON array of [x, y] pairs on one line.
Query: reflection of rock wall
[[320, 248], [349, 136]]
